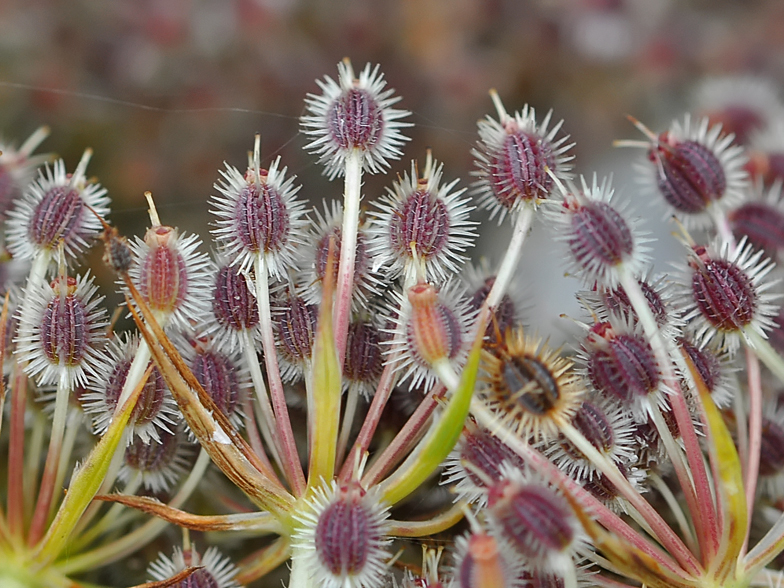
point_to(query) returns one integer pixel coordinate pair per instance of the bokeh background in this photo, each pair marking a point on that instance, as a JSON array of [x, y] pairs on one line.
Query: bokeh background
[[165, 91]]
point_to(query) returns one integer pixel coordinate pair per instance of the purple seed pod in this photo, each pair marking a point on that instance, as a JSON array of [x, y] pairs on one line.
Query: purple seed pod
[[155, 410], [17, 168], [535, 519], [221, 377], [53, 210], [216, 570], [354, 114], [432, 326], [160, 464], [364, 361], [713, 368], [530, 386], [620, 363], [605, 303], [366, 283], [514, 155], [234, 309], [761, 220], [343, 537], [607, 426], [61, 331], [725, 295], [696, 168], [600, 240], [172, 275], [258, 215], [421, 228], [479, 280], [478, 456], [294, 322]]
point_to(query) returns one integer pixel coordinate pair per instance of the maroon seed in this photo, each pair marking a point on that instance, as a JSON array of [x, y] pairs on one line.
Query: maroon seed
[[599, 235], [486, 453], [421, 221], [364, 357], [761, 224], [232, 303], [57, 217], [705, 361], [626, 370], [217, 375], [690, 176], [296, 329], [262, 221], [64, 329], [517, 171], [772, 448], [724, 294], [343, 535], [356, 120], [530, 383]]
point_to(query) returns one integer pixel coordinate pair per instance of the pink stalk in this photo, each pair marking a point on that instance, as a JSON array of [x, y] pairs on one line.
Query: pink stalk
[[383, 392], [405, 438], [755, 435], [16, 453], [253, 433], [289, 456]]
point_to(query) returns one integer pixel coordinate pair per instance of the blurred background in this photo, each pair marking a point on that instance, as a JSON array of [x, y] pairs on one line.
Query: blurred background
[[164, 91]]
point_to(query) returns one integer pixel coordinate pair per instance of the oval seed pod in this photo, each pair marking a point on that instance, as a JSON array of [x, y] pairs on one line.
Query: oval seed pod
[[216, 570], [354, 114], [160, 463], [343, 537]]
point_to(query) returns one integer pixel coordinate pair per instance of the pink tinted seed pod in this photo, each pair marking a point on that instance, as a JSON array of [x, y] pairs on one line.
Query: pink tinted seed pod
[[294, 322], [725, 294], [258, 215], [696, 169], [761, 220], [531, 388], [601, 242], [155, 410], [343, 537], [536, 520], [513, 157], [172, 275], [216, 571], [221, 377], [421, 228], [605, 303], [432, 327], [712, 367], [61, 331], [354, 113], [53, 210], [485, 561]]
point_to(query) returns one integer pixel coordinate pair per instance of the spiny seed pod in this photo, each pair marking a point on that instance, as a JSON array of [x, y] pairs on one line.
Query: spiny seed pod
[[696, 168], [725, 294], [328, 228], [606, 426], [17, 167], [479, 281], [154, 411], [477, 457], [432, 327], [234, 308], [601, 241], [216, 571], [295, 327], [221, 378], [171, 275], [61, 331], [354, 114], [537, 521], [531, 387], [343, 537], [514, 155], [605, 302], [159, 464], [621, 363], [421, 228], [761, 220], [53, 210], [710, 366], [364, 361], [258, 215]]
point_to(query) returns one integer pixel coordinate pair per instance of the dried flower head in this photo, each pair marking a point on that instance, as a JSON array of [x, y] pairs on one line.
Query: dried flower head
[[421, 228], [343, 536], [61, 331], [530, 386], [515, 155], [54, 209], [258, 215], [354, 113]]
